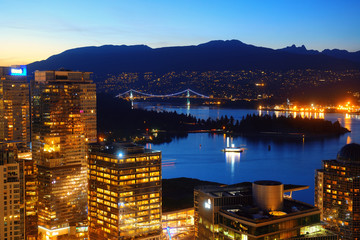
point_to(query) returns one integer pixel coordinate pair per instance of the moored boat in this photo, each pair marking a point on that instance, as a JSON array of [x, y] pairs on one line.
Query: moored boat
[[233, 149]]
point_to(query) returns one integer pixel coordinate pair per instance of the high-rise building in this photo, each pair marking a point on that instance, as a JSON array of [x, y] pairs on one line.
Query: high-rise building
[[257, 210], [124, 192], [63, 122], [30, 194], [11, 193], [337, 192], [14, 105], [14, 137]]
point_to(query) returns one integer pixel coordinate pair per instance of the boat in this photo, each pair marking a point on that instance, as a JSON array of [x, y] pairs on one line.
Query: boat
[[233, 149]]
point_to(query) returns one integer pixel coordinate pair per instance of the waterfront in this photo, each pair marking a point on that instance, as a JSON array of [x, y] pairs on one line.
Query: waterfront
[[199, 155]]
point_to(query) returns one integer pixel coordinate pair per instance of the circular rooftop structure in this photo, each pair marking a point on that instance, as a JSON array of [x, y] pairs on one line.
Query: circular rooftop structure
[[349, 153], [268, 195], [268, 183]]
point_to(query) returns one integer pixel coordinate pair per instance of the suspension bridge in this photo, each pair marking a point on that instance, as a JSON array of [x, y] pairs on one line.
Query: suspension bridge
[[134, 94]]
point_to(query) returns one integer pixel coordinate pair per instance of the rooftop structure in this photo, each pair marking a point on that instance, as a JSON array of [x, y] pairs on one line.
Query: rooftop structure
[[350, 153]]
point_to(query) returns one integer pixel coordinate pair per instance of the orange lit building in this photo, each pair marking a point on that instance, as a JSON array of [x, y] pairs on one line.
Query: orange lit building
[[337, 192], [14, 105], [124, 192], [178, 224], [30, 194], [63, 122], [11, 193], [14, 138]]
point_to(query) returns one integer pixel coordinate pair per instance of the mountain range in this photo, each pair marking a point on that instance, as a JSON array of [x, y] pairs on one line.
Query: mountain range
[[216, 55], [341, 54]]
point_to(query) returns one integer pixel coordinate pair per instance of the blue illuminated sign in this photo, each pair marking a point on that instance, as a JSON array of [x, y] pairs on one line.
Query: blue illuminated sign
[[18, 71]]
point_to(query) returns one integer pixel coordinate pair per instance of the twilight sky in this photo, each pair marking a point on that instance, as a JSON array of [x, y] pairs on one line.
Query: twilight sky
[[34, 30]]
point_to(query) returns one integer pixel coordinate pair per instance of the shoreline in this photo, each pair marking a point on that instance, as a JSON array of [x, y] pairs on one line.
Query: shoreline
[[260, 135]]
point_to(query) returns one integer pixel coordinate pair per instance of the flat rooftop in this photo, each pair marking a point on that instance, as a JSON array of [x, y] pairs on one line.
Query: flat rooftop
[[239, 189], [125, 148], [254, 214]]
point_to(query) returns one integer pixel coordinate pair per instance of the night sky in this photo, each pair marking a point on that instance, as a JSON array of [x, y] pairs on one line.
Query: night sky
[[34, 30]]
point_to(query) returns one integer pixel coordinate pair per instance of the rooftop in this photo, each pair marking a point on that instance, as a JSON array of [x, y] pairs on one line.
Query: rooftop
[[243, 188], [116, 148], [255, 214], [268, 183], [63, 76]]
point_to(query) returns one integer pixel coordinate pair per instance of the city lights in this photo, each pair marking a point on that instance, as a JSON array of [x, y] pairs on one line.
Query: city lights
[[78, 158], [313, 108]]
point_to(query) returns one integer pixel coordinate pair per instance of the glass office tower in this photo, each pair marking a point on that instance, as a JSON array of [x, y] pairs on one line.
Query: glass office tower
[[63, 122]]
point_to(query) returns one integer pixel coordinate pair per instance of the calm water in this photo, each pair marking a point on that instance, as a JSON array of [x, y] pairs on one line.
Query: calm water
[[199, 155]]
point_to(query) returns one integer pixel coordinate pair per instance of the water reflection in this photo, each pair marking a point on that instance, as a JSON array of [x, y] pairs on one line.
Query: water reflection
[[232, 160], [347, 121], [315, 115], [348, 140]]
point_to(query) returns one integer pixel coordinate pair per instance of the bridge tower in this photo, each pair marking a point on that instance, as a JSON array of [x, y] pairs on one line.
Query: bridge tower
[[131, 98], [188, 97]]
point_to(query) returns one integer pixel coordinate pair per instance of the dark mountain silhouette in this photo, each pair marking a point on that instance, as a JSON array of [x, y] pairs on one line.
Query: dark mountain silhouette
[[299, 50], [343, 54], [336, 53], [214, 55]]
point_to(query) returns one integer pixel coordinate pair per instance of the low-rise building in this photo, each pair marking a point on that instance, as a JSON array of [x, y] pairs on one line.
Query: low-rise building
[[178, 224], [258, 210]]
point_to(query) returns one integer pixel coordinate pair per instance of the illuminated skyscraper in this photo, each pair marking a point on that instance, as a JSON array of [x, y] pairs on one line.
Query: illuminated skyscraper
[[30, 194], [14, 105], [124, 192], [63, 122], [11, 193], [14, 137], [337, 192]]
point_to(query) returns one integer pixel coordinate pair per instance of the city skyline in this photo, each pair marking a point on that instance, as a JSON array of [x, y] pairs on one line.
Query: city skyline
[[35, 31], [111, 146]]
